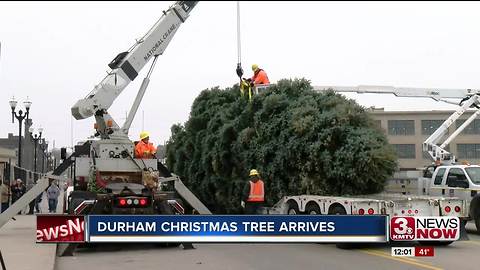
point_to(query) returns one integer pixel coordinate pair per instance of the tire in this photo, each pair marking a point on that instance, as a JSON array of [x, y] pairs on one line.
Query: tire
[[312, 209], [337, 210], [347, 246], [436, 243], [163, 208], [474, 212], [292, 208], [477, 223]]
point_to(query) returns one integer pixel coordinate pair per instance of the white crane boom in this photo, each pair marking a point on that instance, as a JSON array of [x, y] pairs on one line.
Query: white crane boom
[[469, 99], [127, 65]]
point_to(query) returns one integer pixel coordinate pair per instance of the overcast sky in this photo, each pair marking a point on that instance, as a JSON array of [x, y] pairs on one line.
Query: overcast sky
[[55, 52]]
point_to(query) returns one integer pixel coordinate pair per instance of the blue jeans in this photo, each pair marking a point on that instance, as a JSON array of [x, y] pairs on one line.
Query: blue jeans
[[4, 207], [52, 205]]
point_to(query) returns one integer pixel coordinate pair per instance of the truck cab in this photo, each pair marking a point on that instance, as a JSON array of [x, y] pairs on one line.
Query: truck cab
[[460, 181]]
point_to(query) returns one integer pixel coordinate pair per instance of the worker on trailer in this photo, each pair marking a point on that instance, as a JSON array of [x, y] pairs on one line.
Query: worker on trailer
[[145, 149], [253, 194], [259, 76]]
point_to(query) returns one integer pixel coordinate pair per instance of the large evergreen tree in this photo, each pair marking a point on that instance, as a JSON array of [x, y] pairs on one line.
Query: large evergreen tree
[[301, 141]]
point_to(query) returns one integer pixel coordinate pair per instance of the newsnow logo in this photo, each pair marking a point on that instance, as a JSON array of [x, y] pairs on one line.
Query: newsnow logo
[[425, 228], [60, 229]]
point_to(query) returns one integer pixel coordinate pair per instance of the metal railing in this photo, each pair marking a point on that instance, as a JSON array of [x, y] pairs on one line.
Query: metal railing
[[36, 183]]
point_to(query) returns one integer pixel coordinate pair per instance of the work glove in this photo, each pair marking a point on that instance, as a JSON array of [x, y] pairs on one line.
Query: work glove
[[242, 204]]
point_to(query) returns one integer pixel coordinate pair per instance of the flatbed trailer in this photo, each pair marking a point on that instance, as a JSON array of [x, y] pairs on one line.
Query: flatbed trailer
[[378, 204]]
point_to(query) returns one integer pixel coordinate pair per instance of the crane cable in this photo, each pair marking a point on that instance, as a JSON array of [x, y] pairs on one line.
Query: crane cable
[[244, 85], [239, 45]]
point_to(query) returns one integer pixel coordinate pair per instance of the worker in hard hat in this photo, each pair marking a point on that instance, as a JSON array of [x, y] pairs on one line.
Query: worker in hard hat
[[253, 193], [259, 76], [145, 149]]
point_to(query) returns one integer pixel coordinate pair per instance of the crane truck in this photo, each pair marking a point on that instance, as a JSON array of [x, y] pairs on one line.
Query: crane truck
[[108, 178]]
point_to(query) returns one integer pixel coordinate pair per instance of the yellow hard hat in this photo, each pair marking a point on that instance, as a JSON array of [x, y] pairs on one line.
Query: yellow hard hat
[[253, 172], [254, 67], [144, 135]]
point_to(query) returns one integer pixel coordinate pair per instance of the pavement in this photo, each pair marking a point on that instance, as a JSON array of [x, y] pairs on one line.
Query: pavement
[[459, 255], [17, 243]]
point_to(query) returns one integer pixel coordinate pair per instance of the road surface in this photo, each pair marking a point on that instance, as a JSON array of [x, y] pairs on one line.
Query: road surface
[[460, 255]]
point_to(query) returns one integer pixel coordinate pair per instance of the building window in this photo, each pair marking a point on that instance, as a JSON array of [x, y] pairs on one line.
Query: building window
[[378, 124], [427, 156], [406, 151], [429, 126], [401, 127], [472, 128], [468, 150]]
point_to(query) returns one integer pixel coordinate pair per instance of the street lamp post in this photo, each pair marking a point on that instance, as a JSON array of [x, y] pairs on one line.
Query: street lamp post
[[20, 117], [44, 147], [35, 138]]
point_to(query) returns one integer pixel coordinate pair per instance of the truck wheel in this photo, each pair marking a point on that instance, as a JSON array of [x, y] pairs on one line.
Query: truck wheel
[[337, 210], [436, 243], [163, 208], [312, 209], [477, 223], [292, 208], [347, 245]]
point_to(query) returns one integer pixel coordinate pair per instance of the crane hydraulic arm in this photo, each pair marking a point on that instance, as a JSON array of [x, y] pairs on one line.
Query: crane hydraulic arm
[[469, 99], [127, 65]]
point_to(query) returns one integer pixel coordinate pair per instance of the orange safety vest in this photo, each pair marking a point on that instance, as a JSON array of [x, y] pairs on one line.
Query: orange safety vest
[[257, 193], [260, 77], [142, 147]]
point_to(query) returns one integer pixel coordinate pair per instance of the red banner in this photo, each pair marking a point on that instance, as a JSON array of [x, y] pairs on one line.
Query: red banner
[[60, 229]]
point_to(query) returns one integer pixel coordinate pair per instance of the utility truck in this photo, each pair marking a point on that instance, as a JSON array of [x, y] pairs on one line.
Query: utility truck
[[442, 189], [108, 178], [444, 178]]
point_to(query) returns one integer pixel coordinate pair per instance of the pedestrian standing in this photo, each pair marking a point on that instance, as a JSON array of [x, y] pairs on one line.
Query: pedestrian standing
[[52, 195], [18, 189], [38, 200], [5, 190]]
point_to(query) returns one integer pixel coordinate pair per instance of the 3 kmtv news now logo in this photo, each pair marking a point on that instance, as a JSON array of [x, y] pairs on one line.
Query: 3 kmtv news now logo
[[424, 228], [61, 228]]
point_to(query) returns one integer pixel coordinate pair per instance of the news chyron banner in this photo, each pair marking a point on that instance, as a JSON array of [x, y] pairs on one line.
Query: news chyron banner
[[237, 228], [216, 228]]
